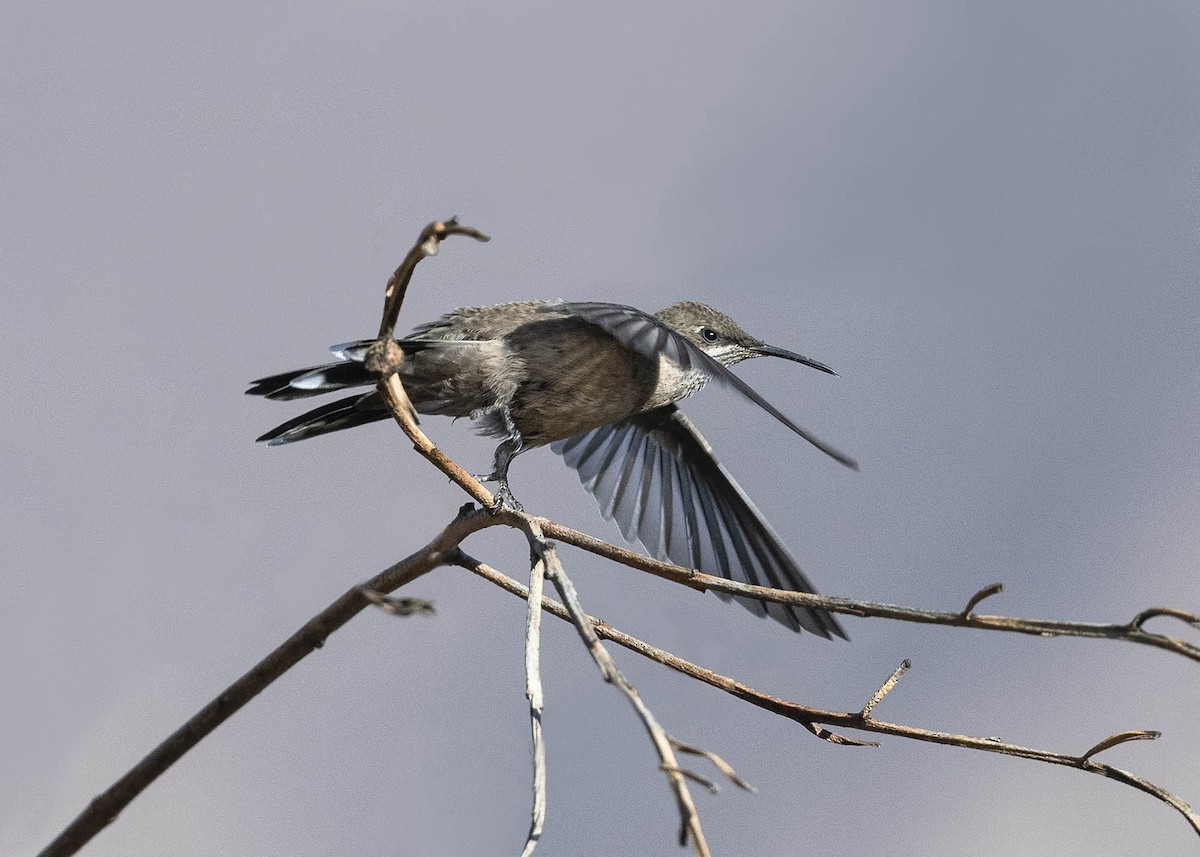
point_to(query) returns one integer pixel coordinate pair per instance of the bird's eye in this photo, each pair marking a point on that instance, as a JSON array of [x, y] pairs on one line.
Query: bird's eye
[[709, 334]]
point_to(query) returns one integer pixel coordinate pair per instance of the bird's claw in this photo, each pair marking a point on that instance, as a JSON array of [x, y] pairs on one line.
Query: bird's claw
[[505, 501]]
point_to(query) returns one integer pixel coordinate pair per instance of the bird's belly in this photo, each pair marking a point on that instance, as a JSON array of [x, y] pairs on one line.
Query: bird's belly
[[576, 385], [547, 419]]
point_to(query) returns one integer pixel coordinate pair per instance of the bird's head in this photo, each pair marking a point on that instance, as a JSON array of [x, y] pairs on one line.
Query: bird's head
[[721, 338]]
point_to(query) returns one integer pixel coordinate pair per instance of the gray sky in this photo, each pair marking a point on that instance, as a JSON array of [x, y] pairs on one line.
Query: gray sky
[[984, 218]]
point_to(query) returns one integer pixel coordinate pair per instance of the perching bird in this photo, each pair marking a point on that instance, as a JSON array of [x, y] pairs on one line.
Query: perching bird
[[599, 383]]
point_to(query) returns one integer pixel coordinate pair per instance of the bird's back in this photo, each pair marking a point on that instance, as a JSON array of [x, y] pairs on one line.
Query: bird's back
[[555, 373], [459, 365], [484, 322]]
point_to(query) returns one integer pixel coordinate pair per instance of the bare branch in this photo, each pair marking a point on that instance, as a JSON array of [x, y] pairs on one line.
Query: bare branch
[[808, 716], [1130, 632], [385, 358], [104, 809], [538, 813]]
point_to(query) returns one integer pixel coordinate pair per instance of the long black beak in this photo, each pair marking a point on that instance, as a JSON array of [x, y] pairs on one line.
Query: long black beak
[[773, 351]]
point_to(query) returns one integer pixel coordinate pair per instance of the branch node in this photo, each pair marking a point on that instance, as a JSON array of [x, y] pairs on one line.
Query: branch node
[[708, 784], [384, 357], [398, 606], [987, 592]]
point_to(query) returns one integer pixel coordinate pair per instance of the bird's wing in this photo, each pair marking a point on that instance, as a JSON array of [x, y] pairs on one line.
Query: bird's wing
[[645, 334], [656, 476]]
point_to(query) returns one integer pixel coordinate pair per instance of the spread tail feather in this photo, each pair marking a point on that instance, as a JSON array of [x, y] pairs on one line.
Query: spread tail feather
[[347, 372], [335, 416], [313, 381]]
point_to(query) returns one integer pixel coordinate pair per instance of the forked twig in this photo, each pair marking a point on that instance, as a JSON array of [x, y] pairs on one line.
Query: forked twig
[[717, 762], [690, 829], [861, 720]]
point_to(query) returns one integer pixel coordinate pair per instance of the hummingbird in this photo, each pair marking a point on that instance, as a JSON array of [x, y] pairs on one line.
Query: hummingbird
[[599, 383]]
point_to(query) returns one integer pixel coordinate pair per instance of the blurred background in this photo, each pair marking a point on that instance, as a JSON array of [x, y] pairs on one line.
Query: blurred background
[[983, 217]]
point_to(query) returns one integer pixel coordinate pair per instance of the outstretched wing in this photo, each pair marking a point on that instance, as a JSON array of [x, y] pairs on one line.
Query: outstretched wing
[[642, 332], [656, 476]]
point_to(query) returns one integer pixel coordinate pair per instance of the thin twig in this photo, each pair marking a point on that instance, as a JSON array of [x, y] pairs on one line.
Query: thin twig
[[987, 592], [884, 689], [1129, 631], [700, 780], [1182, 615], [690, 828], [718, 763], [1121, 738], [426, 245], [533, 690], [105, 808], [386, 358]]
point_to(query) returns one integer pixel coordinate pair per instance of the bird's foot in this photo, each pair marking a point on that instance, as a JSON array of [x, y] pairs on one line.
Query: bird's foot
[[482, 477], [504, 500]]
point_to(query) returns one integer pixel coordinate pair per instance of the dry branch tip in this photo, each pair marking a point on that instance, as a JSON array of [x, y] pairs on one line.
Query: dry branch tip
[[836, 738], [1120, 738], [719, 763], [426, 245], [711, 787], [987, 592], [884, 688], [1184, 616]]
